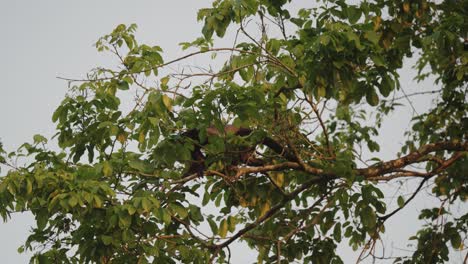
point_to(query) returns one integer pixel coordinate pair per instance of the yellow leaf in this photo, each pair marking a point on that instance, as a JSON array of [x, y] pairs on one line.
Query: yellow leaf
[[418, 14], [278, 178], [254, 201], [406, 7], [122, 137], [97, 202], [167, 102], [265, 208], [243, 202], [164, 80], [321, 92], [377, 21], [220, 165], [387, 41], [141, 137], [28, 186], [107, 169], [442, 190], [259, 76], [223, 228], [302, 80]]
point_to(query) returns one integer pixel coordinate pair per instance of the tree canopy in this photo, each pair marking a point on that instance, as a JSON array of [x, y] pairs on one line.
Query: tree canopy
[[275, 148]]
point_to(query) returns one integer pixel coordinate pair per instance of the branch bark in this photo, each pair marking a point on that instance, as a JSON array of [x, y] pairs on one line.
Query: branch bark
[[320, 175]]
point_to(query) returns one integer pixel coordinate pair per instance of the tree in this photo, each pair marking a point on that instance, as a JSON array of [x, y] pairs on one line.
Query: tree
[[309, 93]]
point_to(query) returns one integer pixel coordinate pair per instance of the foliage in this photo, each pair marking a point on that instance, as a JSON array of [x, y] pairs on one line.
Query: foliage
[[119, 190]]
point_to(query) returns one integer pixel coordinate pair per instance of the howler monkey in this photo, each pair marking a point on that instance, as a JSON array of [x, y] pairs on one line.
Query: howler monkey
[[245, 154]]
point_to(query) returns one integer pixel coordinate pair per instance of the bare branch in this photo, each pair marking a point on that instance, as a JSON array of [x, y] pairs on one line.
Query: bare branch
[[393, 165]]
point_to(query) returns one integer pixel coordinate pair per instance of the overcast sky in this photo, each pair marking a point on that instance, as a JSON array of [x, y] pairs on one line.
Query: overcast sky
[[41, 40]]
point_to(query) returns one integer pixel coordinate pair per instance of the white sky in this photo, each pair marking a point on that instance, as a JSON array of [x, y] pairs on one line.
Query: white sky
[[41, 40]]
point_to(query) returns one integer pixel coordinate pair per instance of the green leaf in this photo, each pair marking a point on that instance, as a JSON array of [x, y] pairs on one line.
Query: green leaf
[[105, 124], [20, 249], [129, 41], [368, 217], [353, 13], [378, 60], [324, 40], [195, 213], [41, 219], [455, 240], [72, 201], [218, 200], [372, 97], [273, 46], [355, 38], [337, 232], [154, 121], [206, 198], [401, 201], [131, 210], [213, 226], [180, 210], [138, 165], [387, 85], [373, 146], [39, 139], [124, 221], [57, 113], [123, 85], [320, 92], [166, 216], [107, 240], [372, 36], [146, 204]]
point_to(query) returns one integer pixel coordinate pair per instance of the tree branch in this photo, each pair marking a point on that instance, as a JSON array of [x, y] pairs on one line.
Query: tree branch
[[385, 167], [428, 175], [393, 165], [271, 212]]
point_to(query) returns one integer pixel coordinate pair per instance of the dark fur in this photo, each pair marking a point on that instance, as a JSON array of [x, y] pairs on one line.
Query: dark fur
[[245, 155]]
